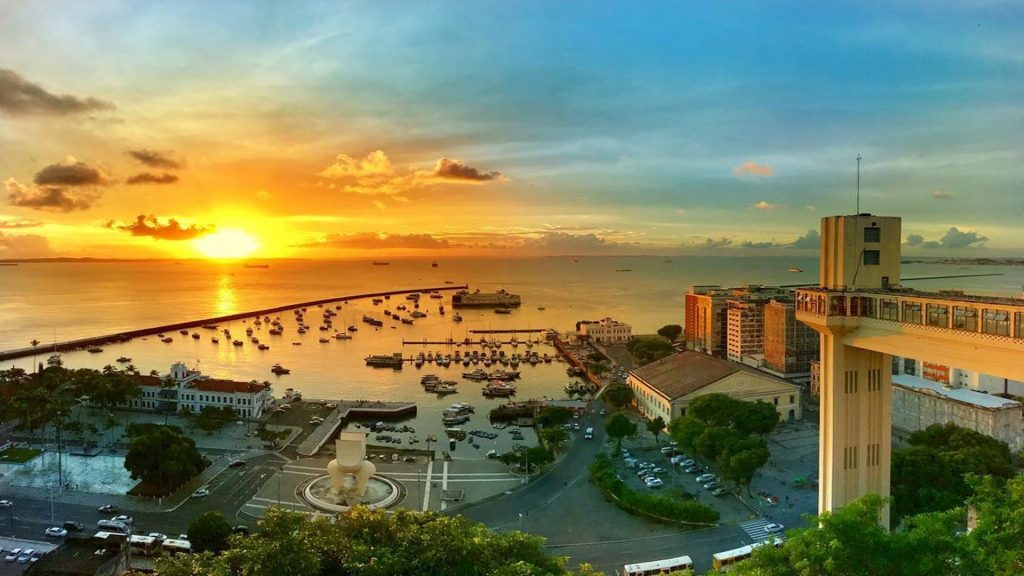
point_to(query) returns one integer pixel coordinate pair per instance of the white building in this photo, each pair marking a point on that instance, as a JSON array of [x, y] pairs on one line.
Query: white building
[[606, 331], [918, 403], [183, 389]]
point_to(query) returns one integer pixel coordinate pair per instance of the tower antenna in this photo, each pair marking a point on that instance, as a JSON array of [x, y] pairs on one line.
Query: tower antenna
[[858, 183]]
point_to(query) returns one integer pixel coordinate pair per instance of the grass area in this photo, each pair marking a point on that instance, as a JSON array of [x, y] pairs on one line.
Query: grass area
[[19, 455]]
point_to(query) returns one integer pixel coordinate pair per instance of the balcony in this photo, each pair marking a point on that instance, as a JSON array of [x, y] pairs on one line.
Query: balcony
[[983, 333]]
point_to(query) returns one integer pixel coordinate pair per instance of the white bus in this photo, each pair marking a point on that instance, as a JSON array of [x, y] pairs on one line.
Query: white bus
[[723, 560], [145, 545], [173, 546], [656, 567]]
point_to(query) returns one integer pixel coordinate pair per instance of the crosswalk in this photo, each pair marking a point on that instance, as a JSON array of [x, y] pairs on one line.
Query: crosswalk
[[755, 528]]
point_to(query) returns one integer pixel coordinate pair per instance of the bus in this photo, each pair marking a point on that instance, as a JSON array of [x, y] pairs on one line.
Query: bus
[[172, 546], [144, 545], [655, 567], [723, 560]]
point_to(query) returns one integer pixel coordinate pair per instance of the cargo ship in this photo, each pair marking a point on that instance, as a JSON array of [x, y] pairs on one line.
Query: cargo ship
[[384, 361]]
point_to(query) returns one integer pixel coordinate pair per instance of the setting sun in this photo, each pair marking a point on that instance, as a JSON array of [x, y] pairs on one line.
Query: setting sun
[[228, 243]]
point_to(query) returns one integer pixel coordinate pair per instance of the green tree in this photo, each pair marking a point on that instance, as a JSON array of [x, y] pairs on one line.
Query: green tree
[[713, 409], [714, 440], [685, 430], [209, 532], [163, 459], [618, 396], [646, 349], [739, 460], [618, 426], [670, 331], [555, 437], [755, 417], [655, 427]]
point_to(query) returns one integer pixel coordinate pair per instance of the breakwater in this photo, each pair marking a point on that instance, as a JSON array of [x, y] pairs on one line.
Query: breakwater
[[128, 335]]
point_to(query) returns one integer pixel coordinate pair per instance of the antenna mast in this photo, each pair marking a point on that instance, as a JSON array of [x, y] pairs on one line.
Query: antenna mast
[[858, 183]]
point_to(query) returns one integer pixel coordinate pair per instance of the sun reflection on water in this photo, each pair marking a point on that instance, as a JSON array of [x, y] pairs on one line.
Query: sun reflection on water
[[227, 302]]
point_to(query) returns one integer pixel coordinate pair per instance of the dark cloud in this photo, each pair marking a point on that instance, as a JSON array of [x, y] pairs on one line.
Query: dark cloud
[[149, 178], [757, 245], [713, 243], [565, 243], [451, 169], [19, 97], [810, 240], [24, 246], [71, 172], [48, 198], [154, 159], [373, 241], [953, 239], [151, 226], [19, 223]]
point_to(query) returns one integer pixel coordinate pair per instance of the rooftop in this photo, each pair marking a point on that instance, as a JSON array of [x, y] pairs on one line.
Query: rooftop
[[964, 395], [686, 372], [953, 295], [209, 385]]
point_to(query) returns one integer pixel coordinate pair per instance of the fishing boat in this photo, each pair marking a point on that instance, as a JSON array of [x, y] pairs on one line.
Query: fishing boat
[[94, 350], [215, 340], [167, 340], [237, 343], [196, 336], [325, 340], [342, 336], [280, 370], [124, 359], [263, 347], [417, 314], [502, 310]]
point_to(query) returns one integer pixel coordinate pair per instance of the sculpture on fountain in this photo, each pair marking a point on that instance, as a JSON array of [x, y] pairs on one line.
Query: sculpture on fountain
[[349, 471]]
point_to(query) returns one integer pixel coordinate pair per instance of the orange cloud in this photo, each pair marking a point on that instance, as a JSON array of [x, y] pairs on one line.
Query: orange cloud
[[375, 175], [750, 168]]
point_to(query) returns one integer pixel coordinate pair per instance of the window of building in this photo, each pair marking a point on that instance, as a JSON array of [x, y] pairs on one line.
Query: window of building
[[1018, 330], [887, 309], [909, 366], [912, 312], [938, 315], [872, 235], [965, 318], [996, 322], [775, 400], [872, 257], [792, 399]]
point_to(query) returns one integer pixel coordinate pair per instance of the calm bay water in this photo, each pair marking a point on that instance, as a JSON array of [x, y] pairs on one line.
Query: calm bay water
[[64, 301]]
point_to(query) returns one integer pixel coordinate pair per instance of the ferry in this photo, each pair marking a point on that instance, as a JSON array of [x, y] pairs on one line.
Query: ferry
[[280, 370], [501, 298], [394, 361]]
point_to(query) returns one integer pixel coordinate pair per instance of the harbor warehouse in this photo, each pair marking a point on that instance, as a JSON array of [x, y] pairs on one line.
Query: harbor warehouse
[[665, 387]]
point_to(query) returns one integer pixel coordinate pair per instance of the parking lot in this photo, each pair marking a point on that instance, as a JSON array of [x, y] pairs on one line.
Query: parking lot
[[687, 477]]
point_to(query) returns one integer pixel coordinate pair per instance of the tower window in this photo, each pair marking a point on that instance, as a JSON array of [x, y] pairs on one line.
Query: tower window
[[872, 234], [872, 257]]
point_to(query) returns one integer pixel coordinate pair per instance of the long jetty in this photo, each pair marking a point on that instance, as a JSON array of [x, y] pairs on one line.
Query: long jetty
[[510, 331], [125, 336]]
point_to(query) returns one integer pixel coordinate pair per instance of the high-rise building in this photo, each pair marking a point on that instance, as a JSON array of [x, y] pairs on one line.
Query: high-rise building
[[707, 314], [789, 346], [745, 328]]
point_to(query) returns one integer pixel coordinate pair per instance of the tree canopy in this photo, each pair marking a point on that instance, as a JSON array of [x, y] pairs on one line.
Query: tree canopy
[[931, 474], [647, 349], [619, 426], [670, 331], [163, 459], [618, 395], [362, 542], [209, 532]]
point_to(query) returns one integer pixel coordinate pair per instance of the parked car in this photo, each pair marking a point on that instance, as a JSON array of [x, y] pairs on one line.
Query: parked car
[[603, 412], [72, 526], [183, 537], [236, 464], [201, 493], [703, 478], [643, 472], [773, 528], [668, 450], [12, 555], [6, 503], [720, 491], [658, 470], [492, 454], [647, 465], [124, 519], [56, 532], [630, 464], [160, 537], [107, 508], [693, 469], [654, 482], [687, 462], [712, 485], [677, 459], [36, 556], [26, 556]]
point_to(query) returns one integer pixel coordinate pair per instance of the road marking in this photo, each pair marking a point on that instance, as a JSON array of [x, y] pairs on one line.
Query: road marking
[[755, 529], [426, 489], [444, 483]]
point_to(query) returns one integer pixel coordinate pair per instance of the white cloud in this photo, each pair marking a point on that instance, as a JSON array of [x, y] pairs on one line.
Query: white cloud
[[765, 205]]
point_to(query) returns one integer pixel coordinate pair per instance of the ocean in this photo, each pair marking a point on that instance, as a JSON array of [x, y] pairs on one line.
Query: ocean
[[65, 301]]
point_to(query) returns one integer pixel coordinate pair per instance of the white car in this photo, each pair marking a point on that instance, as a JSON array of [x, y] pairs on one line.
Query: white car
[[56, 532], [26, 555], [705, 478], [654, 482], [12, 555], [773, 528], [160, 537], [668, 450], [124, 519], [6, 503], [201, 493]]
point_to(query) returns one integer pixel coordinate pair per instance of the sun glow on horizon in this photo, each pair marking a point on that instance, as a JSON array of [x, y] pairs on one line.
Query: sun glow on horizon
[[228, 243]]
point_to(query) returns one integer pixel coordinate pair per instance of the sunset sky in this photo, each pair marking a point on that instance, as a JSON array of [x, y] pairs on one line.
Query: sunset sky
[[341, 129]]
